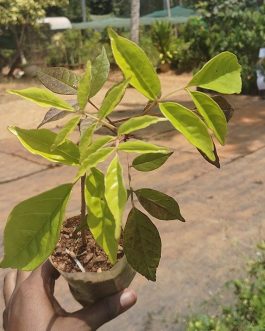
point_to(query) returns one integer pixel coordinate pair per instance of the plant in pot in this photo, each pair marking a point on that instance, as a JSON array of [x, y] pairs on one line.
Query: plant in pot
[[94, 251], [166, 42]]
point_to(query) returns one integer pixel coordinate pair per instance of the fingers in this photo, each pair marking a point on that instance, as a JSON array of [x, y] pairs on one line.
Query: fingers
[[9, 285], [107, 309], [45, 274], [44, 278]]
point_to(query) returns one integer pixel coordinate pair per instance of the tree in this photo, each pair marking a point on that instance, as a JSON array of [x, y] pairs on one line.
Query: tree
[[135, 20], [16, 16]]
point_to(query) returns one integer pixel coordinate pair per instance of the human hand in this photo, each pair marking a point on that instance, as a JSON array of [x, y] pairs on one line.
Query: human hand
[[31, 305]]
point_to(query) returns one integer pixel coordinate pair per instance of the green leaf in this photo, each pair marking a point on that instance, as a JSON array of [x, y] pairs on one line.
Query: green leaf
[[135, 66], [65, 132], [84, 87], [94, 159], [138, 123], [220, 74], [138, 146], [53, 114], [59, 80], [149, 162], [100, 72], [96, 146], [33, 228], [142, 244], [100, 220], [112, 99], [85, 142], [40, 142], [212, 114], [86, 123], [115, 193], [190, 125], [43, 98], [159, 205]]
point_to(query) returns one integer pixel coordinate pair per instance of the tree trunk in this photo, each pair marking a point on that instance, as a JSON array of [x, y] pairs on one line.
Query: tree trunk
[[135, 20]]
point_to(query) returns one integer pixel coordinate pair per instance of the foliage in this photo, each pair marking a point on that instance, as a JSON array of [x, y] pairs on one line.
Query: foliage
[[164, 40], [122, 7], [224, 25], [73, 47], [20, 12], [18, 18], [100, 7], [247, 313], [33, 226]]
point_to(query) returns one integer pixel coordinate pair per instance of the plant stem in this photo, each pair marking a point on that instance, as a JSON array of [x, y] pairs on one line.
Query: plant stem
[[173, 92], [130, 182], [150, 107], [106, 124], [110, 121], [83, 211]]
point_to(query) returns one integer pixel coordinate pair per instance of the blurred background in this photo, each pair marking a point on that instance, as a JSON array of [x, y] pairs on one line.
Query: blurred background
[[181, 35]]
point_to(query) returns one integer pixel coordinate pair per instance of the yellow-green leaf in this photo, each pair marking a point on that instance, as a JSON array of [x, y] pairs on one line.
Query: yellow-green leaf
[[85, 142], [100, 220], [212, 114], [142, 244], [135, 66], [96, 146], [65, 132], [43, 98], [40, 142], [84, 87], [220, 74], [115, 193], [112, 98], [33, 228], [94, 159], [190, 125], [138, 123], [138, 146], [100, 72]]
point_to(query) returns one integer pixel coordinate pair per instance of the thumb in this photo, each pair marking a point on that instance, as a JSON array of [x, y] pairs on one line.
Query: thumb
[[107, 308]]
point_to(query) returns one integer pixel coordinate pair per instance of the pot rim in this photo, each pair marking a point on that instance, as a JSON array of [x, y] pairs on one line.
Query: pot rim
[[106, 275]]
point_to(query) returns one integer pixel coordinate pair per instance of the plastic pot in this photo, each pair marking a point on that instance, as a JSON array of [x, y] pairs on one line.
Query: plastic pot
[[89, 287]]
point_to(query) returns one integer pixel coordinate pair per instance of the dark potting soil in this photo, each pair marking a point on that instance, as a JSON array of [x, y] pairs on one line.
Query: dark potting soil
[[70, 250]]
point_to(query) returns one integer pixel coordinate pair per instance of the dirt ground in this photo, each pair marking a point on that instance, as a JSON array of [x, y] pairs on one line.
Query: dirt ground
[[224, 208]]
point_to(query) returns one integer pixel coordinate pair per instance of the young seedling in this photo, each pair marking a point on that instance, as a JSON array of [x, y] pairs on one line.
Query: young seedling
[[33, 226]]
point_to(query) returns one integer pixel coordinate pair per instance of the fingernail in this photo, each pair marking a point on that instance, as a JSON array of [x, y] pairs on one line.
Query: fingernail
[[127, 299]]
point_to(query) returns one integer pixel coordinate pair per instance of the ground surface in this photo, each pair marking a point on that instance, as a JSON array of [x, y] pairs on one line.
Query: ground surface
[[224, 208]]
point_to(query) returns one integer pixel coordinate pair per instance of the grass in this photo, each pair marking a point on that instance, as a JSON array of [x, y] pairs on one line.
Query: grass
[[248, 311]]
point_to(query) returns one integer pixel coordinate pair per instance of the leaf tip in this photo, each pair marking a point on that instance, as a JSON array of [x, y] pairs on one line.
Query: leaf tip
[[112, 34], [12, 129]]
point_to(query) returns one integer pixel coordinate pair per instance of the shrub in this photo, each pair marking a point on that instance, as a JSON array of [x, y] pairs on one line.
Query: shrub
[[72, 47], [248, 313], [225, 25]]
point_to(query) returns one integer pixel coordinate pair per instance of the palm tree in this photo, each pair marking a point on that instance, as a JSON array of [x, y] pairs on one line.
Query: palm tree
[[135, 20]]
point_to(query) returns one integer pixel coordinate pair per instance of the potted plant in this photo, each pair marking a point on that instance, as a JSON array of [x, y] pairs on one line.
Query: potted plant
[[94, 251], [166, 43]]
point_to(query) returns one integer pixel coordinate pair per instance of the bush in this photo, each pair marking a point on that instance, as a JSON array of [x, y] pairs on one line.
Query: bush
[[225, 25], [73, 47], [248, 312]]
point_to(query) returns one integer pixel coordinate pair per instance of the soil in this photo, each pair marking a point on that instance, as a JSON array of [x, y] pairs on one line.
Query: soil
[[70, 250]]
